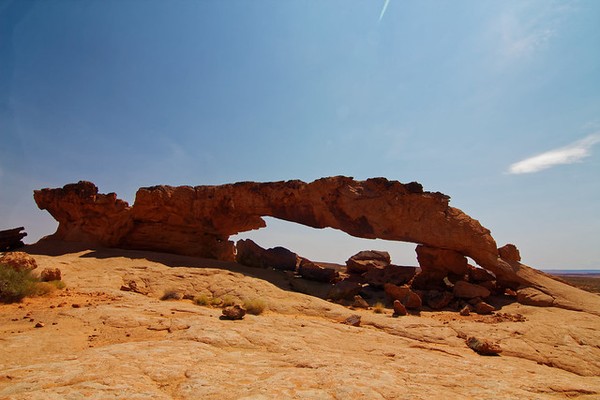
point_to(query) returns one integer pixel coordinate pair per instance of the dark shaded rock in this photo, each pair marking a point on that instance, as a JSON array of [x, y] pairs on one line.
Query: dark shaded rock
[[309, 270], [483, 346], [395, 274], [252, 255], [404, 294], [233, 312], [363, 260], [345, 289], [438, 300], [478, 275], [429, 280], [468, 290], [399, 309], [10, 239]]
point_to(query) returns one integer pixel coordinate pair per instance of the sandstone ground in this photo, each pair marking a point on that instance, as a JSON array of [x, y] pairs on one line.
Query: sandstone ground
[[100, 342]]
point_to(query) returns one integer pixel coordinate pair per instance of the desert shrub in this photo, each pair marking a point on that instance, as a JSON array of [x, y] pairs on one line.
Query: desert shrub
[[60, 285], [16, 285], [378, 308], [216, 301], [203, 300], [227, 301], [255, 306], [171, 294]]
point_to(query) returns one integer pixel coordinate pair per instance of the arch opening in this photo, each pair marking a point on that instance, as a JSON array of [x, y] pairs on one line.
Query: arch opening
[[324, 245]]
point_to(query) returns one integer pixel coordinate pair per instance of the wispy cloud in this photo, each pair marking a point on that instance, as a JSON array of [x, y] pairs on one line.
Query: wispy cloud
[[572, 153], [385, 6]]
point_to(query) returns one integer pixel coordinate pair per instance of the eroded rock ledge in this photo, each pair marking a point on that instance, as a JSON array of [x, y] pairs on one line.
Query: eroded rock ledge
[[198, 221]]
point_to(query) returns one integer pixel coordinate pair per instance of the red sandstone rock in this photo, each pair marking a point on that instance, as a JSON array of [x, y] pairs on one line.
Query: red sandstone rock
[[233, 312], [309, 270], [429, 280], [345, 289], [250, 254], [404, 294], [468, 290], [399, 309], [534, 297], [18, 261], [199, 220], [484, 308], [50, 274], [398, 275], [438, 300], [509, 253], [435, 259], [477, 275], [362, 261]]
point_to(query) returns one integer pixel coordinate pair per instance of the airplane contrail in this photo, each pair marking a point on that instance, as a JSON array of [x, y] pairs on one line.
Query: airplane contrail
[[385, 6]]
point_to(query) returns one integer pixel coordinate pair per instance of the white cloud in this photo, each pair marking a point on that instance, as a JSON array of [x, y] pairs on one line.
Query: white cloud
[[569, 154]]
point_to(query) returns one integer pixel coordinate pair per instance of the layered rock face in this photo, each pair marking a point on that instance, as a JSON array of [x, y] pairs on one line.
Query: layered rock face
[[199, 220]]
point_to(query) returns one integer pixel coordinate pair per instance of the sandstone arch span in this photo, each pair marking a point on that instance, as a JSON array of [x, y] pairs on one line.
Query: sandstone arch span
[[199, 220]]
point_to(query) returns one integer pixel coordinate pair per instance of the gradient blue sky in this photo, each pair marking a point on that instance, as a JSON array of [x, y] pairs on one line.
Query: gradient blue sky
[[495, 103]]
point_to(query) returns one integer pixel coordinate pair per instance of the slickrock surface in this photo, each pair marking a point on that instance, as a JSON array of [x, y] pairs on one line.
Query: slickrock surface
[[98, 341]]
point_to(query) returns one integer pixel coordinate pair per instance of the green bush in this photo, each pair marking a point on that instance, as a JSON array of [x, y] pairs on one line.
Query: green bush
[[255, 306], [16, 285]]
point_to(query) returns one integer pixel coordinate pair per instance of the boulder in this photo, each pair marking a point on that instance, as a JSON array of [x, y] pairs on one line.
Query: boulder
[[429, 280], [50, 274], [437, 259], [363, 260], [466, 290], [404, 294], [252, 255], [19, 261], [395, 274], [465, 311], [359, 302], [309, 270], [233, 312], [399, 309], [484, 308], [510, 253]]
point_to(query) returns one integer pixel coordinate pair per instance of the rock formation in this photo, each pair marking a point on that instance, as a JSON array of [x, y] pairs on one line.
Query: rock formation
[[198, 221]]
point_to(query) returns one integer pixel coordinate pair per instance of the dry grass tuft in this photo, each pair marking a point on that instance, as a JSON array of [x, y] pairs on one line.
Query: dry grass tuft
[[255, 306]]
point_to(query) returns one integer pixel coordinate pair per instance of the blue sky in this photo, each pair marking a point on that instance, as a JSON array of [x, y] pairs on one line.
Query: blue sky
[[495, 103]]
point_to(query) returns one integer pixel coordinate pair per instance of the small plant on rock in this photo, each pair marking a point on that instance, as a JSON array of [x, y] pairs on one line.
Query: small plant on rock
[[255, 306], [171, 294], [378, 308], [228, 300], [203, 300]]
